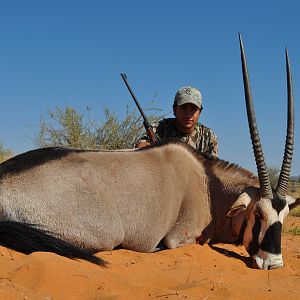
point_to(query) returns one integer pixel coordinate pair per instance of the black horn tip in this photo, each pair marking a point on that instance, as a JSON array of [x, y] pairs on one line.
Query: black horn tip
[[287, 54], [241, 44], [240, 39]]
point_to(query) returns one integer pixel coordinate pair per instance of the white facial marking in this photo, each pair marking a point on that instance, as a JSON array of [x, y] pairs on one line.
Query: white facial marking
[[265, 260]]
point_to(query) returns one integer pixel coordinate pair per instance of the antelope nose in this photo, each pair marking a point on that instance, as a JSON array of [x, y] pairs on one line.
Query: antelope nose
[[275, 266], [267, 264]]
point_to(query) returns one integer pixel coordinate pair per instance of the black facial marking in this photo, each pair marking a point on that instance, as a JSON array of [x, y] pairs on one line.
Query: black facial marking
[[278, 204], [253, 245], [272, 240]]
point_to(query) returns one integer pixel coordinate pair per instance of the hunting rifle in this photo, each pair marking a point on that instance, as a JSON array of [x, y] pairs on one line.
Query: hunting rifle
[[147, 125]]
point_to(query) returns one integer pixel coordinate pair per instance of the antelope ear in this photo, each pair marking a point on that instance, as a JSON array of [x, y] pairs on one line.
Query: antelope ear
[[292, 202], [234, 211], [240, 204]]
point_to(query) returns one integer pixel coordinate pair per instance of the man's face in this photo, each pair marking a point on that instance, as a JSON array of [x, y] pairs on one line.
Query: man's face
[[187, 116]]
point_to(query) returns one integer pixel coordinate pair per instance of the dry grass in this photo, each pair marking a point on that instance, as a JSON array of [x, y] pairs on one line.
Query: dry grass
[[292, 230], [294, 190], [295, 212]]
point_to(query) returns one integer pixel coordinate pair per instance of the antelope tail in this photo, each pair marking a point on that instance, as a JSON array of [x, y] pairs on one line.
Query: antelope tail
[[27, 238]]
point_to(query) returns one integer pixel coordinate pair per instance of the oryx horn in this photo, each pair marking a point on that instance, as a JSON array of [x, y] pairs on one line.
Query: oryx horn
[[265, 185], [283, 180]]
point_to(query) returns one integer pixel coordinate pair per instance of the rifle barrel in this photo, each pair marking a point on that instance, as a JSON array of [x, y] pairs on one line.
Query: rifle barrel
[[148, 127], [124, 77]]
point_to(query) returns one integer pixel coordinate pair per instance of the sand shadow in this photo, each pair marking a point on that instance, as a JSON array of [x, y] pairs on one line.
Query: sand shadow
[[245, 259]]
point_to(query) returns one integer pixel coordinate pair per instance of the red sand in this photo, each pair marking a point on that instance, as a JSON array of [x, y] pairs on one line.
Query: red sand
[[190, 272]]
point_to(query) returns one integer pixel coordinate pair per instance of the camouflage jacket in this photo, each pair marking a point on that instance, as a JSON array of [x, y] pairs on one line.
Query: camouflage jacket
[[202, 138]]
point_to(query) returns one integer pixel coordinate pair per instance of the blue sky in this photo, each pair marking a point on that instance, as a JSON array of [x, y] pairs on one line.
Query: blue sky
[[57, 53]]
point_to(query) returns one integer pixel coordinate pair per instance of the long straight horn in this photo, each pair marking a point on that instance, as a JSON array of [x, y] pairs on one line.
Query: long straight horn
[[283, 180], [265, 185]]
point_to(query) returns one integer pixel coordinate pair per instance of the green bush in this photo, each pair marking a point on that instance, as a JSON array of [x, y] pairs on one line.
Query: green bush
[[69, 128]]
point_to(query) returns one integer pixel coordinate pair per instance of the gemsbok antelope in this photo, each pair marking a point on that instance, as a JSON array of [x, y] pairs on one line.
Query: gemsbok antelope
[[76, 202]]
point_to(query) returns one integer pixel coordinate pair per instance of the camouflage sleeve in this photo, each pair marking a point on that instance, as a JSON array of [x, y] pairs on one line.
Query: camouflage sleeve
[[213, 144]]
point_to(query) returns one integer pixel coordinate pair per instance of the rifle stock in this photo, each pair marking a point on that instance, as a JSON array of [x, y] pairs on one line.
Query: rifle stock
[[151, 135]]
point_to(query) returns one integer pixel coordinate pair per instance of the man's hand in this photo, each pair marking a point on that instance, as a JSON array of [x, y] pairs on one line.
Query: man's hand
[[142, 144]]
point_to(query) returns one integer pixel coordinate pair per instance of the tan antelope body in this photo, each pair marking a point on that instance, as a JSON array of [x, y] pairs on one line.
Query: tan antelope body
[[76, 202], [132, 199]]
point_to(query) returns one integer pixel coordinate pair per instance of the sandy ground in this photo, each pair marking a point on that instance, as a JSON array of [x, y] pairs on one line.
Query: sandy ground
[[190, 272]]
